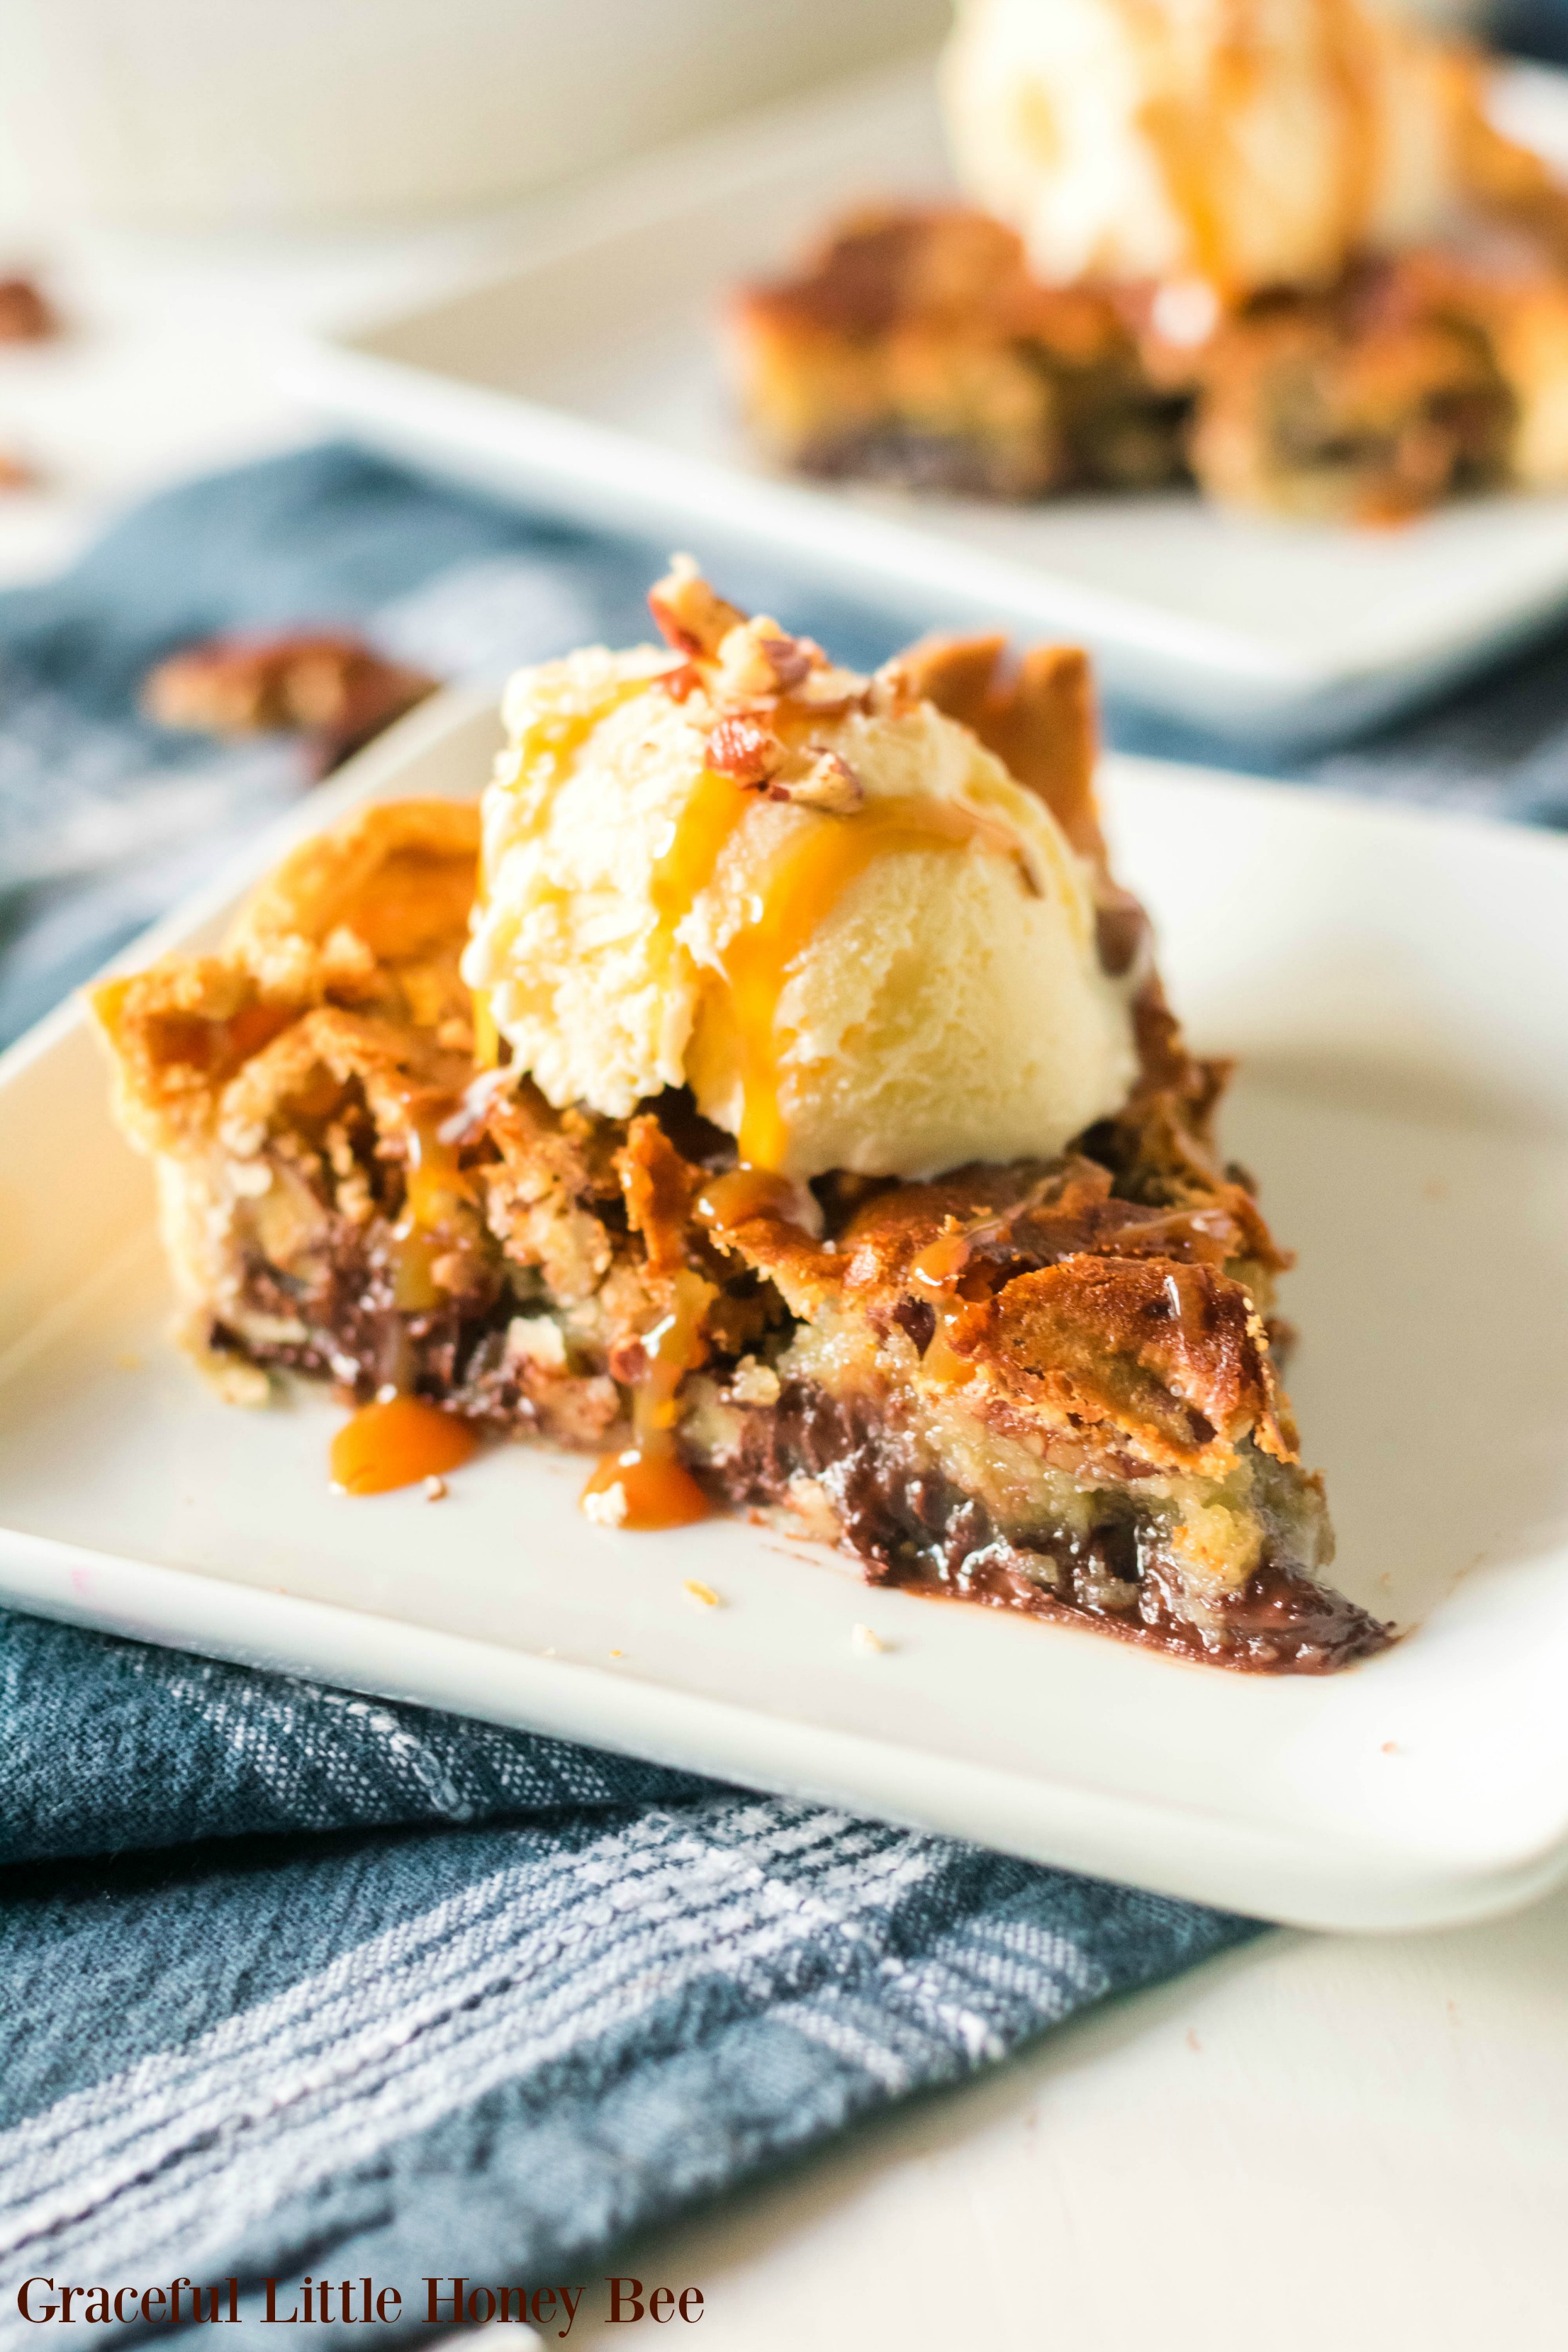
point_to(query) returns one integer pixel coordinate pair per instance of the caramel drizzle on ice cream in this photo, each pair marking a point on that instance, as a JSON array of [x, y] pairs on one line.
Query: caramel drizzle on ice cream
[[808, 882], [1194, 128], [809, 877], [836, 844]]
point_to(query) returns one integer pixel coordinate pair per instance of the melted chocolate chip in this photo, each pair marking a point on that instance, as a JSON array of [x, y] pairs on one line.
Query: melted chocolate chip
[[917, 1319], [912, 1526]]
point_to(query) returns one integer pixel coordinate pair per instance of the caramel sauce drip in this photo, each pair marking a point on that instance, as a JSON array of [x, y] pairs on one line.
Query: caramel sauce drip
[[658, 1491], [436, 1190], [715, 808], [1187, 164], [941, 1262], [486, 1036], [804, 887], [1363, 132], [436, 1195], [728, 1201], [657, 1488], [807, 880], [397, 1442], [940, 1269]]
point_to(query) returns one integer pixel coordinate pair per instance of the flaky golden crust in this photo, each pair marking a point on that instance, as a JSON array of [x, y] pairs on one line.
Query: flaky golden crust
[[329, 1026], [376, 910], [371, 915], [178, 1032], [1037, 716]]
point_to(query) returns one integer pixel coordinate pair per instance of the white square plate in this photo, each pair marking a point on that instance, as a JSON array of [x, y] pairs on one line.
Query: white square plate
[[1398, 985], [588, 378]]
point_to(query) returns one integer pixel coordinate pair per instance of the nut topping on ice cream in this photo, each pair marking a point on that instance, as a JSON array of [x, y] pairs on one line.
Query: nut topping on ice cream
[[810, 896]]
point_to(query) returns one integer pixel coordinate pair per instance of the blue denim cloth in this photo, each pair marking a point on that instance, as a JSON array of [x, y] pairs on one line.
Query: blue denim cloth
[[294, 1981]]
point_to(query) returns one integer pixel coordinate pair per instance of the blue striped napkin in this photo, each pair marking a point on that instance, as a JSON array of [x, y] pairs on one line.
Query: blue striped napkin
[[297, 1984]]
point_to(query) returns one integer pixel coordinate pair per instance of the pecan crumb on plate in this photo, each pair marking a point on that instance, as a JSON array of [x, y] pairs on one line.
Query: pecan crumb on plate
[[327, 685], [26, 316]]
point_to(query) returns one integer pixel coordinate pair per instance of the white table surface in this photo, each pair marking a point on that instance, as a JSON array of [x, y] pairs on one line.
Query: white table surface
[[1316, 2142], [1313, 2144]]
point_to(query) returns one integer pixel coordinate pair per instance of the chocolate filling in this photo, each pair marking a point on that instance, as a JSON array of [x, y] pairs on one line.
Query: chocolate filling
[[454, 1354], [914, 458], [912, 1526], [906, 1523]]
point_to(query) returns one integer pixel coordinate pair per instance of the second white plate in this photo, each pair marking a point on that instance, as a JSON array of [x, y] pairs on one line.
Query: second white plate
[[587, 378]]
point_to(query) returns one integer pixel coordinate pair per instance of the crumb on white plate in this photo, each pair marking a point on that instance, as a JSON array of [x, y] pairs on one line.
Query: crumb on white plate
[[435, 1488], [608, 1507], [703, 1592], [866, 1638]]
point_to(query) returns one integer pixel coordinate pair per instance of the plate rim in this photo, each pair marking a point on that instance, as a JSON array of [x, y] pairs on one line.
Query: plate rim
[[1096, 1833]]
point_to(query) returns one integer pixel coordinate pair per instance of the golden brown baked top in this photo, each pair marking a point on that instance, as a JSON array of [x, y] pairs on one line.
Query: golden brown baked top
[[887, 270]]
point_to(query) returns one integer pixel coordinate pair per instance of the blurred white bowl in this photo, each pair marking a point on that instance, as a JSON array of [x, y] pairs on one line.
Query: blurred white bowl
[[261, 112]]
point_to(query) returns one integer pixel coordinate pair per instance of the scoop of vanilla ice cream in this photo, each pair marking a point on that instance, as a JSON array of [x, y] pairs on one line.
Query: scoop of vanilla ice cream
[[1239, 144], [934, 995]]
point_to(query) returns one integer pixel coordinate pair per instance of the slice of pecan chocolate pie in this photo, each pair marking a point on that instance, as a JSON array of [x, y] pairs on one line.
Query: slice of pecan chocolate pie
[[914, 347], [400, 1149]]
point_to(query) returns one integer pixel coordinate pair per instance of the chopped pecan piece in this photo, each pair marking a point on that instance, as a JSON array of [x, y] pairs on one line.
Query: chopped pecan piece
[[25, 317], [680, 681], [819, 779], [791, 660], [686, 612], [329, 686], [747, 750], [744, 749]]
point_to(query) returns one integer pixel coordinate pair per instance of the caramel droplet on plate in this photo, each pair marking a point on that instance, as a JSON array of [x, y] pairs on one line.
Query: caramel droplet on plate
[[398, 1442], [647, 1490]]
